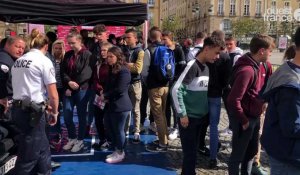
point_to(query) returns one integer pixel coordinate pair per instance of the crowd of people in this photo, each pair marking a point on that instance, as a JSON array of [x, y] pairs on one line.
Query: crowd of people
[[115, 78]]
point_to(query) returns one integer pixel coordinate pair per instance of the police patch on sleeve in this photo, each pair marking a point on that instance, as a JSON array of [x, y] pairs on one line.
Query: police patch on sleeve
[[4, 68], [52, 71]]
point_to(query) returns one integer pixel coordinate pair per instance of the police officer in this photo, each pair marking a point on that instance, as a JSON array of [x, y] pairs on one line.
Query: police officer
[[13, 49], [32, 75]]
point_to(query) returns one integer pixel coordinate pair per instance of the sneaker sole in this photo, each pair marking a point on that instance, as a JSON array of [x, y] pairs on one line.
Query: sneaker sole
[[116, 161], [77, 150]]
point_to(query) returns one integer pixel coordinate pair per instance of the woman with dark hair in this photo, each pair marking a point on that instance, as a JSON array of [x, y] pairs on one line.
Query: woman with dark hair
[[118, 101], [100, 77], [290, 53]]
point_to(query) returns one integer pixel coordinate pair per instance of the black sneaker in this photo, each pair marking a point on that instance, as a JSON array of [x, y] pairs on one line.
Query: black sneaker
[[136, 138], [156, 148], [155, 142], [96, 146], [204, 151], [213, 163]]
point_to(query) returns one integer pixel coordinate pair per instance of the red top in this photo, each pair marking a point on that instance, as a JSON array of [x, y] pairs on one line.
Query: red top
[[100, 76]]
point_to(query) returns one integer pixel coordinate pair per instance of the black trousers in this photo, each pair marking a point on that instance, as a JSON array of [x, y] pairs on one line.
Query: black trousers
[[143, 105], [34, 155], [203, 130], [189, 142]]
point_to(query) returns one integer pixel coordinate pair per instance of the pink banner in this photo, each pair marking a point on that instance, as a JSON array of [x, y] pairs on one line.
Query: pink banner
[[62, 31], [40, 27]]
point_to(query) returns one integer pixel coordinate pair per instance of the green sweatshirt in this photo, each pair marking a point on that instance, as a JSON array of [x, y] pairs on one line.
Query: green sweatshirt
[[189, 93]]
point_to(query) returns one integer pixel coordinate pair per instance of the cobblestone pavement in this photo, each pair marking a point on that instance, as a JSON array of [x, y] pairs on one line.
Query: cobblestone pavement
[[175, 153]]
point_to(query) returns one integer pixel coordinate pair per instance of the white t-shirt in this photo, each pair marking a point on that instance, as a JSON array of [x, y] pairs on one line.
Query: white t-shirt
[[31, 73]]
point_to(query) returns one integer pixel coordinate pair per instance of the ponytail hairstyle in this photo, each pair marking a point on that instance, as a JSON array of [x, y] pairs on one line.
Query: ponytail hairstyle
[[39, 41], [120, 59]]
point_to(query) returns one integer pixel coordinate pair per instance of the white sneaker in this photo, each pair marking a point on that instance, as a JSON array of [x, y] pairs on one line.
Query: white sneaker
[[127, 134], [116, 158], [173, 135], [111, 155], [77, 146], [152, 127], [70, 144], [226, 132]]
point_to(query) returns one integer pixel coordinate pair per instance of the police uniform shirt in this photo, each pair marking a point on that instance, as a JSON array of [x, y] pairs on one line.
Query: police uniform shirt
[[31, 73]]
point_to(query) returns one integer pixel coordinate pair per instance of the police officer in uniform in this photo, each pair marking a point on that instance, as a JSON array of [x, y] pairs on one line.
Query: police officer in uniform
[[32, 75], [13, 49]]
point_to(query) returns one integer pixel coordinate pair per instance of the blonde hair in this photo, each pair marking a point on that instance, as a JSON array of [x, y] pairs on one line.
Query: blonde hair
[[61, 42], [107, 45], [74, 33], [39, 41]]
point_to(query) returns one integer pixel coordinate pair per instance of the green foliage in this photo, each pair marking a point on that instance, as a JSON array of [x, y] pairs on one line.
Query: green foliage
[[285, 28], [170, 24], [247, 26], [49, 28]]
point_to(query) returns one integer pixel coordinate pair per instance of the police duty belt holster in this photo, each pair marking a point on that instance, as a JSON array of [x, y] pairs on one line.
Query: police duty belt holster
[[36, 111]]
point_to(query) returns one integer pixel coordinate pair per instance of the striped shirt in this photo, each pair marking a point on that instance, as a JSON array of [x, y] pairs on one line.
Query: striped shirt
[[57, 75]]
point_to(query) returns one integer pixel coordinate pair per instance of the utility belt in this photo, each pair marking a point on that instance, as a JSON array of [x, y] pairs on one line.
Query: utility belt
[[36, 110]]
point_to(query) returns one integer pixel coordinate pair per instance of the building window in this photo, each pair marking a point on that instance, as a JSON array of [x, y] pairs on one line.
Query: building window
[[246, 7], [221, 7], [226, 25], [273, 7], [136, 1], [258, 8], [151, 2], [232, 7], [286, 4]]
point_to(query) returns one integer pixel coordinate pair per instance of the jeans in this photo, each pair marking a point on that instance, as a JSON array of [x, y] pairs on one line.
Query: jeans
[[91, 107], [34, 155], [80, 99], [189, 142], [214, 118], [57, 127], [115, 124], [244, 146], [281, 168], [99, 122]]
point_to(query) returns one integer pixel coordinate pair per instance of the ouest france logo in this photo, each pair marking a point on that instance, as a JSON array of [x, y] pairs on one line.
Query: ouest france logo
[[282, 15]]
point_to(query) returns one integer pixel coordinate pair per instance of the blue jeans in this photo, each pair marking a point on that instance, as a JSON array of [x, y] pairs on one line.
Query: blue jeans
[[214, 118], [80, 99], [281, 168], [91, 107], [115, 124]]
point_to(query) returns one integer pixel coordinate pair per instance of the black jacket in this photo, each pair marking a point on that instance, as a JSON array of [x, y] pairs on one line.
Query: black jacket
[[82, 72], [219, 74], [116, 91], [6, 63]]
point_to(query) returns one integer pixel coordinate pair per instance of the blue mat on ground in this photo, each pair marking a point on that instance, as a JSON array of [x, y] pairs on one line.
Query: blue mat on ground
[[90, 162]]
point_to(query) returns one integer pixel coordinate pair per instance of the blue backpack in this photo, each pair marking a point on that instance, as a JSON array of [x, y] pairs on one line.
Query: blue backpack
[[164, 61]]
